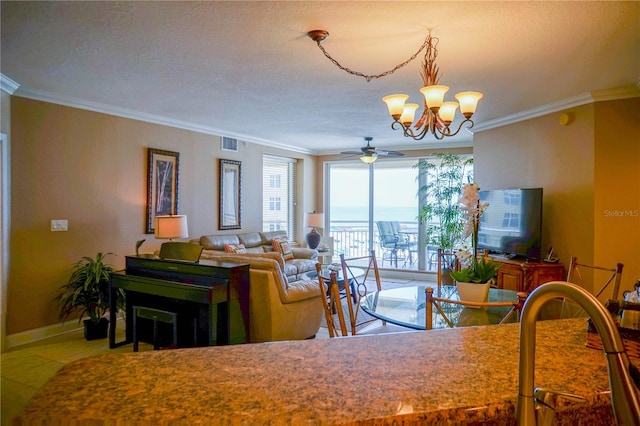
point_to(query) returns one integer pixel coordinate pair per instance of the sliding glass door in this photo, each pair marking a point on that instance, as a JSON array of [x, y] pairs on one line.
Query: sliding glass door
[[360, 196]]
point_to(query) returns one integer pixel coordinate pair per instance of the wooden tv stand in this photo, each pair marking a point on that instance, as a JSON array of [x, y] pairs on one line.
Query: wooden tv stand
[[525, 275]]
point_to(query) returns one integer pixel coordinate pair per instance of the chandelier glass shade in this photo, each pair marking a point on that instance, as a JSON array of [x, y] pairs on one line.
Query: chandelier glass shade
[[437, 116]]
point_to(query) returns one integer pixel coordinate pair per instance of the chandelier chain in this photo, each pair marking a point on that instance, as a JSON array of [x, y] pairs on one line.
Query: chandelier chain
[[427, 42]]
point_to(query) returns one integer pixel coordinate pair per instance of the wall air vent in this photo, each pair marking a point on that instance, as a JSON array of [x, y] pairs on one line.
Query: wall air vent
[[229, 144]]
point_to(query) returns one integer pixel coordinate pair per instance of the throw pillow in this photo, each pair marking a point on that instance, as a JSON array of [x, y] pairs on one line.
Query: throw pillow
[[235, 248], [282, 246]]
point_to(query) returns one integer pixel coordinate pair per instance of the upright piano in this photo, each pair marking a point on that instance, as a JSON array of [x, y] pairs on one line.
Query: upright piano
[[212, 295]]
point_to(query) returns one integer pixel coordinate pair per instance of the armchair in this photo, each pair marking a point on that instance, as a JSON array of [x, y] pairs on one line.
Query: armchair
[[278, 309]]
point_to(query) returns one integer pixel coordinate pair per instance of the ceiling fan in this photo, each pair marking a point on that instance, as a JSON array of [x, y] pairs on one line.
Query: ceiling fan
[[369, 154]]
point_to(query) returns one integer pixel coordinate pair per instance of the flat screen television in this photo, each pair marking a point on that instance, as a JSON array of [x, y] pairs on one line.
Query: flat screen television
[[512, 223]]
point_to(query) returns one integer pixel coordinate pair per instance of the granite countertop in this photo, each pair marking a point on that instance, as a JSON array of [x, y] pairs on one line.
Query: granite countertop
[[447, 376]]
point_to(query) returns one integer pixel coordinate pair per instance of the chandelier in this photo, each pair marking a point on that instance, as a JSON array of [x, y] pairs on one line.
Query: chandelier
[[437, 115]]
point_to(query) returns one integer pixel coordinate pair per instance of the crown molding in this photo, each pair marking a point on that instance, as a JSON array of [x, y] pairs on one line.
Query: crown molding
[[150, 118], [586, 98], [11, 86], [8, 85]]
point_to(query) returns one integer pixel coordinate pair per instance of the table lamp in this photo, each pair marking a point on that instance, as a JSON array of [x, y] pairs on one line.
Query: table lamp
[[170, 227], [314, 220]]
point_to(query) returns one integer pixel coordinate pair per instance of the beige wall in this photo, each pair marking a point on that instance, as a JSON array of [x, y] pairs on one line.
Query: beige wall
[[90, 168], [617, 187], [5, 130], [585, 167]]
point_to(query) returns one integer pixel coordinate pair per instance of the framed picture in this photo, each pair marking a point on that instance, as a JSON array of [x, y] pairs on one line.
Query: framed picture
[[229, 217], [162, 185]]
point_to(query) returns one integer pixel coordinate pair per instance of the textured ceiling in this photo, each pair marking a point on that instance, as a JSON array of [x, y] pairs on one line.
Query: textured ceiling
[[247, 69]]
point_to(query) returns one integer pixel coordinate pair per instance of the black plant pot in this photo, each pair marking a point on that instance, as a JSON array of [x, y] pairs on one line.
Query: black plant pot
[[93, 331]]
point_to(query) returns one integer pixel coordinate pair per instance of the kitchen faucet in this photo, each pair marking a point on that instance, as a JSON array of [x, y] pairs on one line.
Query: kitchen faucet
[[625, 398]]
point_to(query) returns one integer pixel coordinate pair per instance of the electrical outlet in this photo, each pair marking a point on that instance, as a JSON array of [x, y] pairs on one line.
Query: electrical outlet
[[59, 225]]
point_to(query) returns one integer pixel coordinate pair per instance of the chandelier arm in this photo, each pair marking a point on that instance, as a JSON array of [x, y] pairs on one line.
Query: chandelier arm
[[436, 132], [371, 77]]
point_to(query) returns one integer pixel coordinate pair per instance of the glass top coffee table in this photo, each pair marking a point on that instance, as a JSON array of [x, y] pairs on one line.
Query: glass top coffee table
[[406, 306]]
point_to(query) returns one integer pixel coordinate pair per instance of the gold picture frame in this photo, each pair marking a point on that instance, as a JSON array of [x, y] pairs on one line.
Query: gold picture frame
[[230, 213], [163, 179]]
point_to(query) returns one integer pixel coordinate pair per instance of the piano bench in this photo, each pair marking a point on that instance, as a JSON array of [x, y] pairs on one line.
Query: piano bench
[[155, 315]]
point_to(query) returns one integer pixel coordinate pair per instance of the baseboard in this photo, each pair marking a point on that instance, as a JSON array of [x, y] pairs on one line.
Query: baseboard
[[37, 334], [42, 333]]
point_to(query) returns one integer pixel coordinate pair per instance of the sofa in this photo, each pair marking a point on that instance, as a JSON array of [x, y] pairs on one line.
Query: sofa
[[299, 261], [278, 309]]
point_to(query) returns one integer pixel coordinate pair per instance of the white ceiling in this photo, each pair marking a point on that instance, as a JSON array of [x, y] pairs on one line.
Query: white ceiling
[[248, 70]]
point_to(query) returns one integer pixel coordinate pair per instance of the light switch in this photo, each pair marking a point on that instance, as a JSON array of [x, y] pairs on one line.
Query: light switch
[[59, 225]]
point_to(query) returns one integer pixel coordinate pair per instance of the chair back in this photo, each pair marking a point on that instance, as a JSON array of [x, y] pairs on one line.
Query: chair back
[[370, 264], [589, 276], [610, 276], [341, 297], [330, 293], [388, 238], [447, 262]]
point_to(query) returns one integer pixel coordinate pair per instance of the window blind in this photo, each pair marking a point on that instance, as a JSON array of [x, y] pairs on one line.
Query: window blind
[[279, 194]]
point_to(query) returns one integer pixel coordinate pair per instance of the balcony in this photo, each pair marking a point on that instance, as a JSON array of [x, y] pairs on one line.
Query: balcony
[[352, 239]]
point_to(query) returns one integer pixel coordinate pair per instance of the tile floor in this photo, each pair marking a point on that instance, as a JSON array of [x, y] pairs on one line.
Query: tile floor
[[25, 369]]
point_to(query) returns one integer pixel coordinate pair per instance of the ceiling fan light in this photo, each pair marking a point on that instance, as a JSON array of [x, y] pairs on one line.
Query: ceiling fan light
[[434, 96], [468, 102], [395, 104], [448, 112], [408, 114], [369, 158]]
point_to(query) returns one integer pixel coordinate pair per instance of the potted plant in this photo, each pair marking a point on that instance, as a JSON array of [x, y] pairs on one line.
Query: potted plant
[[474, 277], [445, 177], [86, 293]]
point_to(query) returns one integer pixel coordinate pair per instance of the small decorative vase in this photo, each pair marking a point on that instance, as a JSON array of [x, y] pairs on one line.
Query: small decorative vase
[[473, 292]]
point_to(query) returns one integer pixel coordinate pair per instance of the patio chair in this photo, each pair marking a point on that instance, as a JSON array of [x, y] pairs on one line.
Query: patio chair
[[389, 242], [406, 241]]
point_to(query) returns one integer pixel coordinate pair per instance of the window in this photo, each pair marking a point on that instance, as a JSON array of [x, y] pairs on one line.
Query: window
[[274, 203], [278, 195], [274, 181], [511, 220]]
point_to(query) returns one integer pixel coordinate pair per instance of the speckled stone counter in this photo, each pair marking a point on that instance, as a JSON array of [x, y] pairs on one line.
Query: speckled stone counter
[[454, 376]]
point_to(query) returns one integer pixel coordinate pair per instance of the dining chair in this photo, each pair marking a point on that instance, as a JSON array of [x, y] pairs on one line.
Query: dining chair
[[588, 276], [331, 302], [337, 300], [437, 302], [447, 262]]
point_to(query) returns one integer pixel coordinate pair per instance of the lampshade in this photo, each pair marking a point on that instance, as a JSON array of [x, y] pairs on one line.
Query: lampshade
[[395, 104], [174, 226], [434, 95], [448, 111], [408, 114], [314, 220], [468, 102]]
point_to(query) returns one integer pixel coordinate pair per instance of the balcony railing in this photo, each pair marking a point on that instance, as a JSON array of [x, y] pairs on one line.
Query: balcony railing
[[352, 239]]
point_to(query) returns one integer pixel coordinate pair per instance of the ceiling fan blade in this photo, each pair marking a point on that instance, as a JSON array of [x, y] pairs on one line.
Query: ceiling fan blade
[[351, 153], [390, 154]]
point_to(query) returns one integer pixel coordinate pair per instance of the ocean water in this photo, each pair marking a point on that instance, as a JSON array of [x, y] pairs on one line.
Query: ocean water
[[359, 213]]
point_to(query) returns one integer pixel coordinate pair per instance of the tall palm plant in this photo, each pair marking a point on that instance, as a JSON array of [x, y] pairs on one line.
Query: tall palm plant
[[445, 176]]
